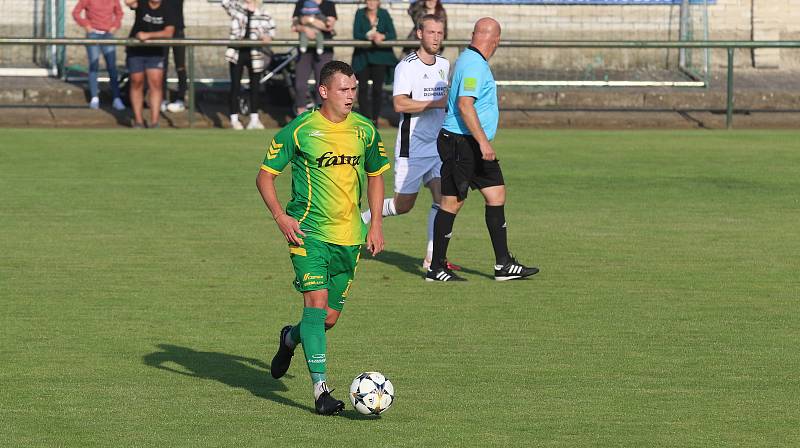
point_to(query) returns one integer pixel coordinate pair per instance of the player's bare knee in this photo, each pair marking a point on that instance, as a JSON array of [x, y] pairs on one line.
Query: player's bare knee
[[331, 318], [403, 207], [403, 203], [494, 196], [450, 204]]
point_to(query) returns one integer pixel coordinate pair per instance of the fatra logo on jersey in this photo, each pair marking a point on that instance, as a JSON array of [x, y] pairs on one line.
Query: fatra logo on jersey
[[330, 159]]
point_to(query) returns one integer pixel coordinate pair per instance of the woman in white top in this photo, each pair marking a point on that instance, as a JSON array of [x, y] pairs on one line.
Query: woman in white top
[[249, 21]]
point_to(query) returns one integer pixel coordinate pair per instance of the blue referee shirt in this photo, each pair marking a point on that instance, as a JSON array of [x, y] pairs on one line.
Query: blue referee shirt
[[472, 77]]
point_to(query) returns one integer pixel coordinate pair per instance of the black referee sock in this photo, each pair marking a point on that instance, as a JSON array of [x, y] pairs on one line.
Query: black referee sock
[[442, 231], [496, 223]]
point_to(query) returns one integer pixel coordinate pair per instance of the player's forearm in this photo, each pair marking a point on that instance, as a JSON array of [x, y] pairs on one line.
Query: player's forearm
[[375, 198], [266, 186], [470, 118], [404, 104]]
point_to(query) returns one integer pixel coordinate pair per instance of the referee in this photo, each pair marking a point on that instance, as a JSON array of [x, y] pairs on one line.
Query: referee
[[468, 159]]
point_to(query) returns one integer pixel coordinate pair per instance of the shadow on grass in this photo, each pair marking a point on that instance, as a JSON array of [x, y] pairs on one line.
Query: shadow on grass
[[235, 371], [412, 265], [352, 414]]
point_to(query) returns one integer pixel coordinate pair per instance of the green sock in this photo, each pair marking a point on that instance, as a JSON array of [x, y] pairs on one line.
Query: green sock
[[312, 336]]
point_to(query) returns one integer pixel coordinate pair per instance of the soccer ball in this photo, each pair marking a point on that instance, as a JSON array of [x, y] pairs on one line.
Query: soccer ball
[[371, 393]]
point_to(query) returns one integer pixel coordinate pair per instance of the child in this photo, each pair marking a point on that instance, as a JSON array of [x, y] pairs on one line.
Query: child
[[311, 16]]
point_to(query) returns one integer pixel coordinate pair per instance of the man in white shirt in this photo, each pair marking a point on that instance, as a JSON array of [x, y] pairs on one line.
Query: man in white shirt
[[420, 95]]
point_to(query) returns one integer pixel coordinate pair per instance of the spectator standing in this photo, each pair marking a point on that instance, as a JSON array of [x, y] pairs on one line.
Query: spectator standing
[[179, 56], [249, 21], [101, 19], [419, 9], [374, 24], [154, 20], [312, 17], [311, 61]]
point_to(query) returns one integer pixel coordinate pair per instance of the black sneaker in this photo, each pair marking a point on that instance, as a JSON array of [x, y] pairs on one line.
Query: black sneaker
[[443, 275], [513, 270], [282, 359], [327, 405]]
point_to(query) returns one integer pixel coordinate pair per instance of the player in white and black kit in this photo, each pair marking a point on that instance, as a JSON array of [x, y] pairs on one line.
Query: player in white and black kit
[[420, 95]]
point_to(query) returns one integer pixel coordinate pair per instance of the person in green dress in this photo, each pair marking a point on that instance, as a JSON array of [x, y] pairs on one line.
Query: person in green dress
[[373, 63]]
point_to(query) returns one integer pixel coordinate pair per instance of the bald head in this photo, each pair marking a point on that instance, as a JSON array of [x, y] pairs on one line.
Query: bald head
[[486, 26], [486, 36]]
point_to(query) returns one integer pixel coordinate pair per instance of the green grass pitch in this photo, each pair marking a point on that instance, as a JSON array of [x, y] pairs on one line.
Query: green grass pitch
[[142, 286]]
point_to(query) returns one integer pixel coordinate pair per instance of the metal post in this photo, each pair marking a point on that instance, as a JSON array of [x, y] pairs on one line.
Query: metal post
[[683, 32], [191, 85], [729, 115], [62, 50], [51, 32]]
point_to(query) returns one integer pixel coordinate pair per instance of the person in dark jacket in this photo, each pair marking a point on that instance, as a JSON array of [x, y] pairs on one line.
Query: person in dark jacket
[[416, 11], [311, 62], [374, 24]]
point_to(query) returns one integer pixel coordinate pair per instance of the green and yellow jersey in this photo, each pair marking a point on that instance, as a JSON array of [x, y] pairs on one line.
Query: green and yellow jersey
[[330, 165]]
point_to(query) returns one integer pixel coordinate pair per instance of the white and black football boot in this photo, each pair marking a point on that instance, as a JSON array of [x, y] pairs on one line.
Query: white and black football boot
[[512, 270], [442, 275]]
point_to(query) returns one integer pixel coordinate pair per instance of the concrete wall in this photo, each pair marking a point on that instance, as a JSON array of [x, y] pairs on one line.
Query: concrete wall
[[729, 19]]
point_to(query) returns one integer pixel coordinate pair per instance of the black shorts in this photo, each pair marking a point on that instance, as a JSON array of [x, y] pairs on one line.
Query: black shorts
[[463, 166]]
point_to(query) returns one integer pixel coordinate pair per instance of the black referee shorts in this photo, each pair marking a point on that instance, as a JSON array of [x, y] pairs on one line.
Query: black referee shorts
[[463, 166]]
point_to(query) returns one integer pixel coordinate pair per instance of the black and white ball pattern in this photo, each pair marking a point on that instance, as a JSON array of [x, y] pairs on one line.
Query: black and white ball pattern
[[371, 393]]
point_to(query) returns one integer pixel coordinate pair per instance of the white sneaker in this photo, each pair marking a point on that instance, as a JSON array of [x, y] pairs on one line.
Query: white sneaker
[[176, 106], [94, 103], [118, 104], [255, 124], [164, 106], [237, 125]]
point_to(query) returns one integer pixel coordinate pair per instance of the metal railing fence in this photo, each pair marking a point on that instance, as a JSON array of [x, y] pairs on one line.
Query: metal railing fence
[[730, 46]]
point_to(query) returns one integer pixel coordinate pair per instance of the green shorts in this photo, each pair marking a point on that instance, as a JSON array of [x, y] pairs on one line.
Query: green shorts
[[321, 265]]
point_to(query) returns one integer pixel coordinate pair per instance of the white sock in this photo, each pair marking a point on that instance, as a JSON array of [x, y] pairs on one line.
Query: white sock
[[388, 207], [431, 218], [234, 117], [319, 388], [254, 116], [429, 251], [388, 210]]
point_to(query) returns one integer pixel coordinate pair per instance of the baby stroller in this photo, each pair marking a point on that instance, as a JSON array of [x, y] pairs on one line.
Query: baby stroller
[[277, 79]]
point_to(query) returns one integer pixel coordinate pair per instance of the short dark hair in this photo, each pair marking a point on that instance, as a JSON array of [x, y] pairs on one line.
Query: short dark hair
[[332, 68], [433, 17]]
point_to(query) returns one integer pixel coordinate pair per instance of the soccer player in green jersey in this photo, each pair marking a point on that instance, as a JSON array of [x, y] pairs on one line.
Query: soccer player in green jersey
[[334, 153]]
